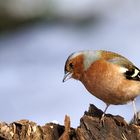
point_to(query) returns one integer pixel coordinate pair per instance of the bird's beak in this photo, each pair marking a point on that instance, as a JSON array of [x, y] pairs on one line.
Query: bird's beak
[[67, 76]]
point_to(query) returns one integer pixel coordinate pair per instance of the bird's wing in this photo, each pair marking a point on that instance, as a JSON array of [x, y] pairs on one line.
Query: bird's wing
[[132, 72]]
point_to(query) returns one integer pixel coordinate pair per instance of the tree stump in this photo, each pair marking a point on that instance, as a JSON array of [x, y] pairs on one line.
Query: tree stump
[[114, 128]]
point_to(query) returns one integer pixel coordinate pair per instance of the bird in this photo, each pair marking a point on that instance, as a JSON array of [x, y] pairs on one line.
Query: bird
[[107, 75]]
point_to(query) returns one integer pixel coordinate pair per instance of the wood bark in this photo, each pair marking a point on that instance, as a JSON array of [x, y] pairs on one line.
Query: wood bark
[[90, 128]]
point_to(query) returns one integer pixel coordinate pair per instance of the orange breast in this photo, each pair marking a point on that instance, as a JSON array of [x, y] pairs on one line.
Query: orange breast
[[105, 81]]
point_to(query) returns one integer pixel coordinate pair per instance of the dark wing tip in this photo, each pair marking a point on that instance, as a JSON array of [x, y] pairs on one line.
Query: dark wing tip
[[133, 74]]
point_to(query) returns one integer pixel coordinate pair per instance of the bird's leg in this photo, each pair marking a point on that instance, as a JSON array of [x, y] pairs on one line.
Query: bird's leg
[[135, 111], [103, 115]]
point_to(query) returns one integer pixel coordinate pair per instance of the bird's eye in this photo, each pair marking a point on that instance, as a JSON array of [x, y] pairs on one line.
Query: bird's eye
[[71, 66]]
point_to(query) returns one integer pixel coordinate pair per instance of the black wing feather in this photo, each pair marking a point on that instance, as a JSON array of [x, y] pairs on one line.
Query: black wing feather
[[133, 74]]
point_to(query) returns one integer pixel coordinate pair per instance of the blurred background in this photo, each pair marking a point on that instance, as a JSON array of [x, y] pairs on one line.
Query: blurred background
[[36, 38]]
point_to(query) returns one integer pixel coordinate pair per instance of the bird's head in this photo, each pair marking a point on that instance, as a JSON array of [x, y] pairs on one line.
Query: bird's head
[[73, 66]]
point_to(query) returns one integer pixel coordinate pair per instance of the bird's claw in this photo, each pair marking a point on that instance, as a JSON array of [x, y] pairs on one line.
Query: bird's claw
[[102, 120]]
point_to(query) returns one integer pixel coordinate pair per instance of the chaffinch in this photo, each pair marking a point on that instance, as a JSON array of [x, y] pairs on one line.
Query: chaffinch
[[106, 75]]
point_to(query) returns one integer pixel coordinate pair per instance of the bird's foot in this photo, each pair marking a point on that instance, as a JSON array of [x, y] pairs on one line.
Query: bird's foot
[[102, 120], [137, 119]]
